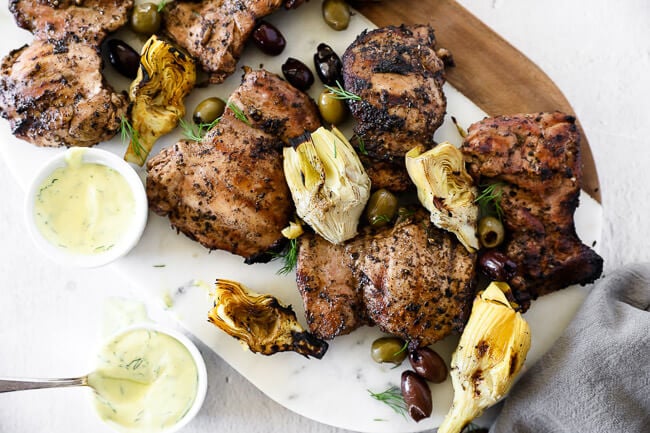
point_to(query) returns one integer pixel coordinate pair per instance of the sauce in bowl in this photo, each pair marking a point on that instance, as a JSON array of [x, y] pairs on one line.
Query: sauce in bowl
[[146, 381], [84, 207]]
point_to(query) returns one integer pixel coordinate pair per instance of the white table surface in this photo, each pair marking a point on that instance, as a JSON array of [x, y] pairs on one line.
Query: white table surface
[[598, 53]]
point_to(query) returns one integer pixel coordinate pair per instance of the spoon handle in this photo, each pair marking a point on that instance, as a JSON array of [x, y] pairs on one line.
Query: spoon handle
[[16, 384]]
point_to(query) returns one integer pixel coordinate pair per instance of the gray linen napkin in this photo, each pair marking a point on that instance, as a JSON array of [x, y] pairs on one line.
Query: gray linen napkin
[[596, 378]]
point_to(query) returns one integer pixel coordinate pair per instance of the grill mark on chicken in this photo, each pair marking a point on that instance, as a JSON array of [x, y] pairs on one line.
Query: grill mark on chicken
[[228, 191], [399, 78], [537, 158], [214, 31], [80, 20], [53, 94], [412, 280]]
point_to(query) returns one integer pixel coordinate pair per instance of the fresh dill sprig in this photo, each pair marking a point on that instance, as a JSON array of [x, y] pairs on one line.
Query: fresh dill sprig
[[196, 132], [289, 256], [377, 219], [130, 135], [239, 114], [392, 397], [162, 5], [402, 349], [361, 144], [339, 92], [490, 199]]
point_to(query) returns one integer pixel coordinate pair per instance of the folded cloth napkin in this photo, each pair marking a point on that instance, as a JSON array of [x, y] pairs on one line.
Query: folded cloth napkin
[[596, 378]]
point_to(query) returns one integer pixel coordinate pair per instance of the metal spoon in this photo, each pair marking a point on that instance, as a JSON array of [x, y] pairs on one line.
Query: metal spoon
[[20, 384]]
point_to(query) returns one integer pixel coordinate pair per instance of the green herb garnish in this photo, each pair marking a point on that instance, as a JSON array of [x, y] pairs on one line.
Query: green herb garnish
[[490, 199], [362, 145], [162, 5], [128, 134], [239, 114], [159, 266], [289, 256], [135, 364], [339, 92], [196, 132], [392, 397], [403, 349], [377, 219]]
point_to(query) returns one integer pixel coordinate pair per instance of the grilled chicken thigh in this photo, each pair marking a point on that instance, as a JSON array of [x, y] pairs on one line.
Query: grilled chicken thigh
[[398, 76], [228, 191], [414, 281], [536, 158], [53, 94], [214, 31], [88, 20]]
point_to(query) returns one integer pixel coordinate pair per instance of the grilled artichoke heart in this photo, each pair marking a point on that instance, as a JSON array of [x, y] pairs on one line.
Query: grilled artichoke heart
[[446, 190], [260, 323], [166, 75], [328, 183], [490, 353]]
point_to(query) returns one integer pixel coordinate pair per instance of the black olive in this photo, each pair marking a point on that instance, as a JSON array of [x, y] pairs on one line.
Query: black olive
[[417, 395], [328, 65], [428, 364], [123, 58], [496, 265], [268, 39], [298, 74]]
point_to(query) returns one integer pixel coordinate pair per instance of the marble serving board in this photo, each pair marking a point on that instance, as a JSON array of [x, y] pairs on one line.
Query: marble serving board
[[178, 273]]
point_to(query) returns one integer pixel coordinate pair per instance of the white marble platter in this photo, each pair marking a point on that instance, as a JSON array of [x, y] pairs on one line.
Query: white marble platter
[[171, 269]]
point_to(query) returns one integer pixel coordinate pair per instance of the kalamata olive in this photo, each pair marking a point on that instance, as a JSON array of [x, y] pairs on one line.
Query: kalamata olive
[[208, 110], [268, 39], [328, 65], [145, 19], [428, 364], [336, 14], [490, 232], [124, 59], [388, 349], [381, 208], [417, 395], [298, 74], [496, 265], [332, 109]]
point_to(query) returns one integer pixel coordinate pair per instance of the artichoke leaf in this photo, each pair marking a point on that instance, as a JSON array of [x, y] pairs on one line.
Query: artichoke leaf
[[260, 322], [328, 184], [446, 190], [165, 77], [490, 354]]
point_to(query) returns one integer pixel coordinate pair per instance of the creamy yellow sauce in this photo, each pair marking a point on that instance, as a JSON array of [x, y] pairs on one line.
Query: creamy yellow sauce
[[146, 381], [84, 207]]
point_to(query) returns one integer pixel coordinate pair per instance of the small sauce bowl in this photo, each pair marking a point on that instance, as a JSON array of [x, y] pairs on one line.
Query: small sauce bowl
[[128, 238], [199, 363]]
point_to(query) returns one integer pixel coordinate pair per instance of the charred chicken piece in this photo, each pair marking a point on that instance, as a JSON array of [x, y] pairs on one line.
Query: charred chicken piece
[[260, 322], [536, 158], [214, 31], [385, 174], [412, 280], [398, 76], [274, 106], [53, 94], [87, 20], [227, 192]]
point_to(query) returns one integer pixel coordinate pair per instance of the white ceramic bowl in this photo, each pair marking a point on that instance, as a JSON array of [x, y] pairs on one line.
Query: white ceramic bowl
[[128, 239], [202, 373]]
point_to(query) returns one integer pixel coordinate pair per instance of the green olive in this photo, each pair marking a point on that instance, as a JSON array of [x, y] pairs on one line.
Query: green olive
[[381, 207], [208, 110], [145, 19], [389, 349], [336, 14], [332, 110], [490, 232]]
